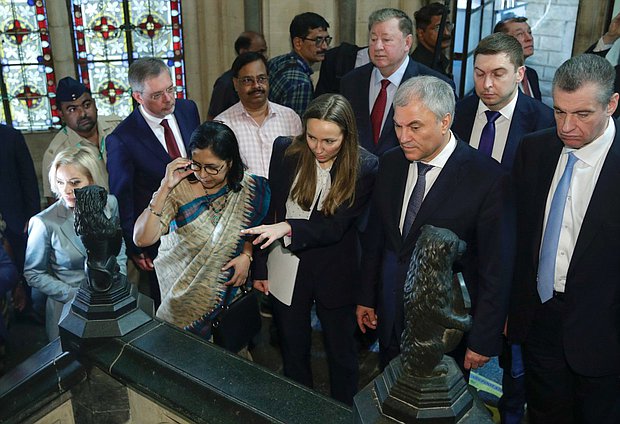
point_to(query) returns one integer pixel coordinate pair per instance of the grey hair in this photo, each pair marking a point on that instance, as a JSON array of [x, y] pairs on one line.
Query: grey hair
[[435, 94], [583, 69], [404, 21], [143, 69], [82, 157]]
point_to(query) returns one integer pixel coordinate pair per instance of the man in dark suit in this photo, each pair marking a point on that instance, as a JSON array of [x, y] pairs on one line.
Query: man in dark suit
[[494, 120], [19, 191], [565, 305], [371, 88], [19, 197], [518, 27], [337, 63], [139, 149], [454, 187], [498, 70]]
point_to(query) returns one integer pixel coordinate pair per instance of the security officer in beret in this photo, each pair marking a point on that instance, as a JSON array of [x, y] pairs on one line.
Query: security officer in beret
[[82, 127]]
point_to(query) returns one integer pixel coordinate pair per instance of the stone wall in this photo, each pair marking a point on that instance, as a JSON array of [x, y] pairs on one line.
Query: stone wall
[[553, 26]]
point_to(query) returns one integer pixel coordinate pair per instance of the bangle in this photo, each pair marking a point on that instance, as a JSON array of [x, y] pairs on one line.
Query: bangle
[[158, 214], [248, 255]]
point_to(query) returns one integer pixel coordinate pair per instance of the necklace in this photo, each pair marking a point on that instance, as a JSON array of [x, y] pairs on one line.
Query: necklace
[[216, 206]]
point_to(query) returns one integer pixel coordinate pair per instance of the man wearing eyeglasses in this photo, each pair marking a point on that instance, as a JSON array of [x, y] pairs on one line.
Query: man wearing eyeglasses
[[155, 133], [224, 95], [255, 120], [428, 24], [518, 27], [291, 85]]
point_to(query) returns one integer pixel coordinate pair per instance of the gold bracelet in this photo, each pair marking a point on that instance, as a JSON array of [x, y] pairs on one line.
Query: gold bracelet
[[155, 213], [248, 255]]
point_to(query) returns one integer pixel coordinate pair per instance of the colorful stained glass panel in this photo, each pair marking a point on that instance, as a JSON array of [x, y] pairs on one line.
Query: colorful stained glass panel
[[110, 34], [26, 66]]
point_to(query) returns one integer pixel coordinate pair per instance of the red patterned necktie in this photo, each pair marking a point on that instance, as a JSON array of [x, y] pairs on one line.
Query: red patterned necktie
[[171, 143], [526, 86], [376, 116]]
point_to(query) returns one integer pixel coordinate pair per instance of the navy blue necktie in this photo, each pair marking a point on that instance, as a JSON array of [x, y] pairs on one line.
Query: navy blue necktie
[[551, 238], [487, 137], [417, 197]]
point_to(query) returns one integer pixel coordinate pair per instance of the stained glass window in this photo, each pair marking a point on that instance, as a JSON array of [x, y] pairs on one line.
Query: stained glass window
[[26, 69], [110, 34]]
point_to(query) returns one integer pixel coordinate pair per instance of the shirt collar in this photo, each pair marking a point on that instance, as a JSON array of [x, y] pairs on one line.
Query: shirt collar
[[507, 111], [440, 160], [395, 78], [302, 62], [151, 119]]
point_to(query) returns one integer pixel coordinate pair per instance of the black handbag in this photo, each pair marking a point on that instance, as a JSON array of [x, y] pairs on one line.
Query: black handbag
[[239, 322]]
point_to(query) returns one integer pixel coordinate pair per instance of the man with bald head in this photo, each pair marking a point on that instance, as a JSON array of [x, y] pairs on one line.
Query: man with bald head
[[224, 94]]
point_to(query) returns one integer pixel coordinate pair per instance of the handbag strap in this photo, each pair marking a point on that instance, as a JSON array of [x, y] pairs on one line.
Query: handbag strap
[[244, 288]]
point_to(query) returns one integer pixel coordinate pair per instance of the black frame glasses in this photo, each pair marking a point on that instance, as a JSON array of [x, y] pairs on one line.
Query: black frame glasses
[[319, 40], [250, 81], [197, 167]]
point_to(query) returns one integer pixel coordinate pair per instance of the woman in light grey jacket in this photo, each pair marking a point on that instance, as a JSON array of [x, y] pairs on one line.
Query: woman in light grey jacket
[[55, 254]]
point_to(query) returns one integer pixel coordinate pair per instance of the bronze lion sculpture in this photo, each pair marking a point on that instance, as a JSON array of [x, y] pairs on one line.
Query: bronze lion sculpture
[[432, 297]]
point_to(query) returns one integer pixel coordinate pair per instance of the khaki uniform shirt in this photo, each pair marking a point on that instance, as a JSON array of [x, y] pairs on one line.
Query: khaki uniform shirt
[[66, 137]]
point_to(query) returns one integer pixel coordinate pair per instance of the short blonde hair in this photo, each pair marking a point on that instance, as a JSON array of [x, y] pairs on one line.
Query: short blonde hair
[[84, 158]]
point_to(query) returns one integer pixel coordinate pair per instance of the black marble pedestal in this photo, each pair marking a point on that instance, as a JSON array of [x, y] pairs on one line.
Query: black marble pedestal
[[92, 316], [395, 396]]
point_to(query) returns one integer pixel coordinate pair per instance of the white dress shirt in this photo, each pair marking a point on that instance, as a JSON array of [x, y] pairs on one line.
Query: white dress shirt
[[502, 126], [155, 124], [375, 87], [256, 141], [585, 175], [438, 162]]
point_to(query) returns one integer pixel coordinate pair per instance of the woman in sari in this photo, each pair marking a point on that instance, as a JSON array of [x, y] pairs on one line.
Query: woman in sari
[[321, 182], [198, 212], [55, 254]]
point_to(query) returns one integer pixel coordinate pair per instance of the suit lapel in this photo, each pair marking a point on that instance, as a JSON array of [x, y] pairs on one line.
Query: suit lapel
[[147, 138], [465, 117], [520, 118], [182, 116], [66, 226], [605, 189], [360, 97], [401, 170]]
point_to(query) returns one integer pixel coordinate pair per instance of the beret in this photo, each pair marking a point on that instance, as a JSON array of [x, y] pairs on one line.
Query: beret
[[68, 89]]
